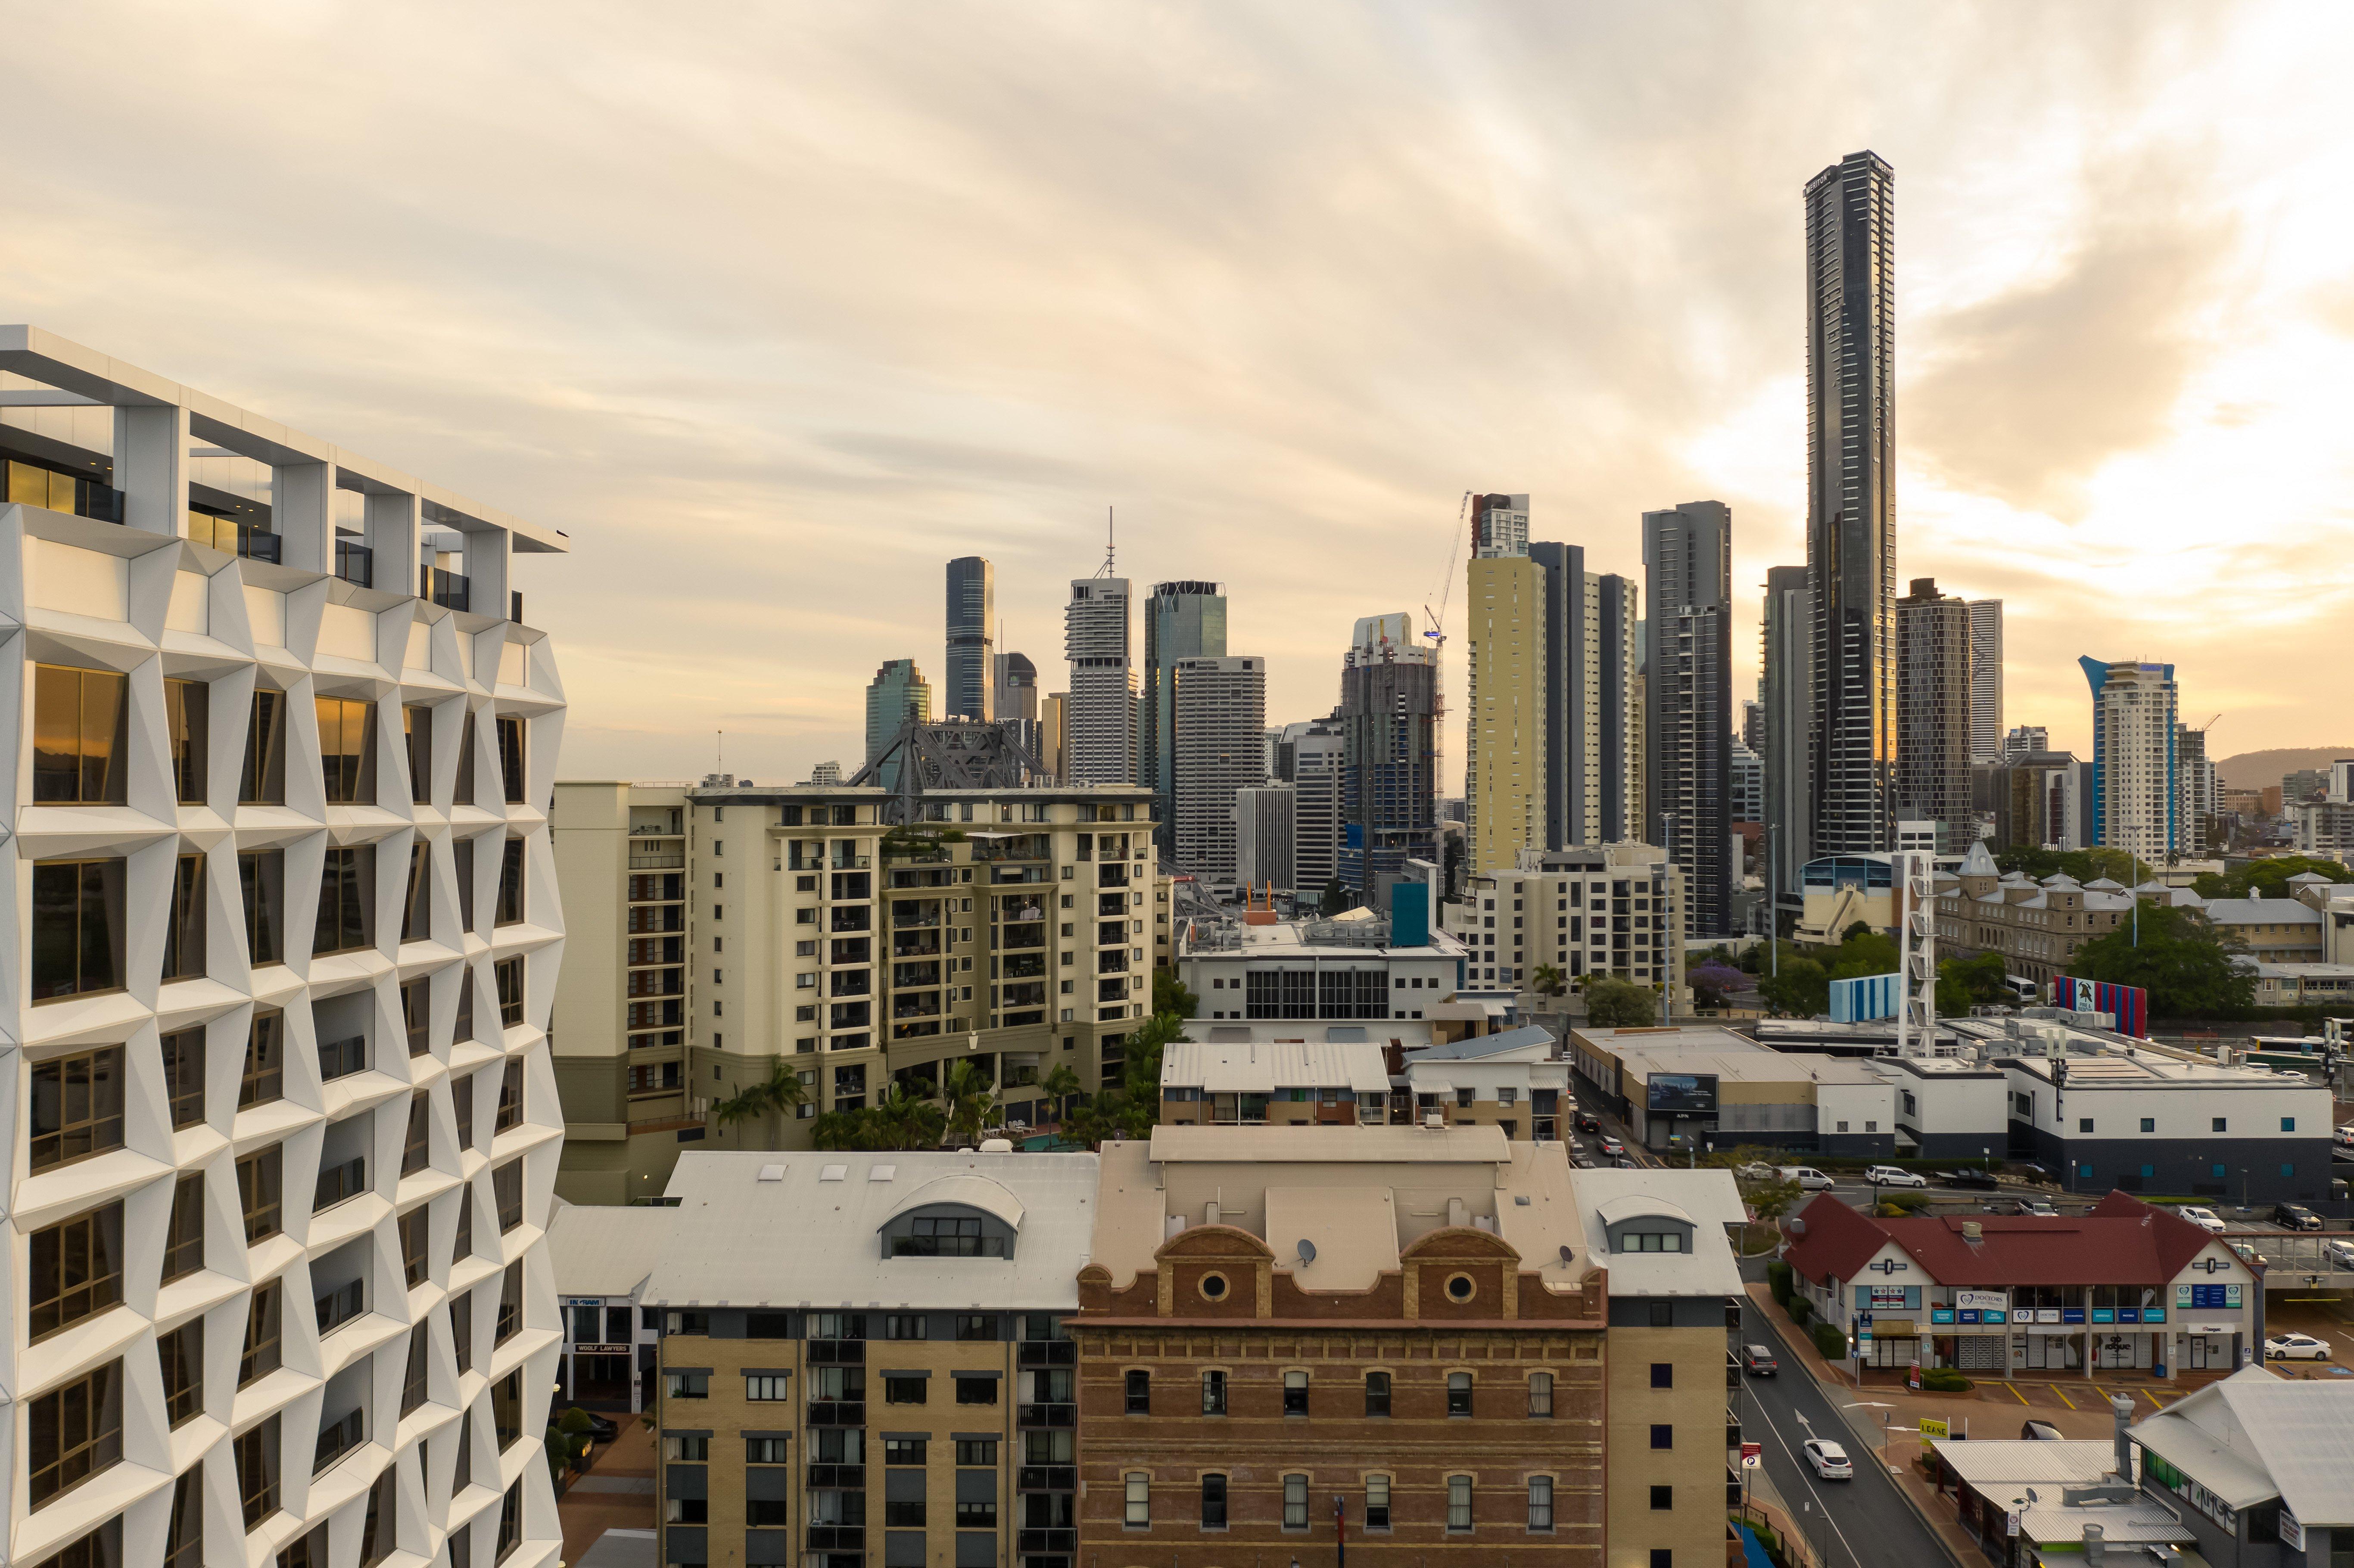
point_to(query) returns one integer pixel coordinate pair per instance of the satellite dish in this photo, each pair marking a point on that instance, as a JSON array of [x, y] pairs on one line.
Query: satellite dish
[[1307, 1251], [1564, 1255]]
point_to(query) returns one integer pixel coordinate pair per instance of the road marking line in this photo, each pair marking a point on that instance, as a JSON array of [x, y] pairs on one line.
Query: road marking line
[[2061, 1394], [2015, 1394]]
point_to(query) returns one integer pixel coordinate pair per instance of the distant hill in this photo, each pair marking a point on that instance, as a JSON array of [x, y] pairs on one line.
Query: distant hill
[[2260, 770]]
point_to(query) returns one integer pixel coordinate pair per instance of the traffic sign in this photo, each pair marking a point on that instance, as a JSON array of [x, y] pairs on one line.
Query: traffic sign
[[1753, 1456]]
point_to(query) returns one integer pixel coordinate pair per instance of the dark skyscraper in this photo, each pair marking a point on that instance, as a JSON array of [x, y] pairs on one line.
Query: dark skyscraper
[[1788, 717], [1589, 648], [1851, 500], [973, 615], [1182, 620], [1688, 560], [1389, 694], [1932, 708]]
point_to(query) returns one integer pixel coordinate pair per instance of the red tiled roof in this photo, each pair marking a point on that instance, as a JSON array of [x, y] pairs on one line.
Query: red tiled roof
[[2123, 1241], [1838, 1240]]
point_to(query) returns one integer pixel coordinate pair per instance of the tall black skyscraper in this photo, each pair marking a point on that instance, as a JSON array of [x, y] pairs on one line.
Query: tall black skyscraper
[[972, 614], [1389, 784], [1851, 500], [1688, 561]]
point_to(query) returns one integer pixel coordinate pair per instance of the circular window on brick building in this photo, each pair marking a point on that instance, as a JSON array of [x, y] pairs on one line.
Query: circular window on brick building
[[1460, 1288], [1213, 1286]]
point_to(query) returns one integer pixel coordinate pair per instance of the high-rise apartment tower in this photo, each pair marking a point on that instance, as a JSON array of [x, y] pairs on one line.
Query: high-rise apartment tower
[[1504, 688], [1589, 646], [972, 647], [1986, 680], [1389, 701], [1687, 557], [2135, 801], [898, 694], [1182, 620], [1851, 500], [1787, 687], [1217, 713], [1934, 644], [1099, 718]]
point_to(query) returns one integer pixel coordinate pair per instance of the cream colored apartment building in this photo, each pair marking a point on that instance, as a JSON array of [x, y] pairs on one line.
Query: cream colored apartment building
[[725, 928], [1598, 909], [1504, 722]]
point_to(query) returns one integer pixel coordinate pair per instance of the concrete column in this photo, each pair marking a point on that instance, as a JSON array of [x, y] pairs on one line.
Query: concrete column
[[487, 552], [151, 468], [302, 514], [392, 529]]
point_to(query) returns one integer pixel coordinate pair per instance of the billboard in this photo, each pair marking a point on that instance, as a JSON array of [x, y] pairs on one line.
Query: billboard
[[1865, 998], [1694, 1092], [2129, 1003]]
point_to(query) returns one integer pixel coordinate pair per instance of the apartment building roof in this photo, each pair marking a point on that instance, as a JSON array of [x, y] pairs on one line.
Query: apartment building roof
[[1253, 1067], [2255, 1435], [2146, 1070], [1472, 1048], [2122, 1240], [600, 1250], [1709, 1200], [1408, 1033], [804, 1229], [2261, 912]]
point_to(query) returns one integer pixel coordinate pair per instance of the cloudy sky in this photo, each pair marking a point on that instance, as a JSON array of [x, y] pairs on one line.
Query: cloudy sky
[[777, 307]]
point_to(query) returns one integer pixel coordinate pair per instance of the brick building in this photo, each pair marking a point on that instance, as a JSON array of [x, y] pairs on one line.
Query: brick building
[[1399, 1336]]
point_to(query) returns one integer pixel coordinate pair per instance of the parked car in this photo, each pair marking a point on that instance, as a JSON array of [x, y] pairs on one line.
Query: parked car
[[2297, 1348], [1829, 1460], [2339, 1254], [2205, 1219], [1755, 1171], [2345, 1135], [1581, 1161], [1969, 1176], [1892, 1176], [2033, 1208], [600, 1428], [2041, 1432], [1612, 1146], [1625, 1162], [1588, 1122], [1758, 1361], [1808, 1179], [2296, 1216]]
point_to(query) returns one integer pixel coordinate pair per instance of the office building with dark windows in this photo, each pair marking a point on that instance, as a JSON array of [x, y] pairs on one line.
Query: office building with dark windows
[[969, 691], [864, 1359], [284, 1129]]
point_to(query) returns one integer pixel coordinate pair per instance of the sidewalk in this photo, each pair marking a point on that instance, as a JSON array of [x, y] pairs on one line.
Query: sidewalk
[[618, 1492]]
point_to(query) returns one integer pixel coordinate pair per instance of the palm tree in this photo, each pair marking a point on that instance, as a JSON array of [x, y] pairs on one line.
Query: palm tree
[[843, 1129], [781, 1092], [1547, 979], [903, 1120], [968, 1100], [1062, 1086]]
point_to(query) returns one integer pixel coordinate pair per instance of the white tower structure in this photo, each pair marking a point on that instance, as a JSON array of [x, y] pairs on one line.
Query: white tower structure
[[282, 946], [1916, 959], [1099, 718]]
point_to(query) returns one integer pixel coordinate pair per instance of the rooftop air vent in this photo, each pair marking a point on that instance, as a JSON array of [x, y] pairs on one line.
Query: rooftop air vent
[[881, 1172], [833, 1173], [773, 1172]]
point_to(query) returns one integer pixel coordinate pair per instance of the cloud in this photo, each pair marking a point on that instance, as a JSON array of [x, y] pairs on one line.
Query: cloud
[[2024, 395]]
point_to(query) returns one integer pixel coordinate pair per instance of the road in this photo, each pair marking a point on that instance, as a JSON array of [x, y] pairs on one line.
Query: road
[[1861, 1523]]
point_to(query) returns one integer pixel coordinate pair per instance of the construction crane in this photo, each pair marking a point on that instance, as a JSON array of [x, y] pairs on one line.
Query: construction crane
[[1434, 629]]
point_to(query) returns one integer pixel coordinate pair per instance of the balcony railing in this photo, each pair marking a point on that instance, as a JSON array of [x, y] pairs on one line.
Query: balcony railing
[[337, 1182], [1022, 935], [658, 861], [452, 590], [915, 944], [837, 1412], [837, 1537], [1003, 874], [1046, 1478], [1063, 1541], [232, 538], [354, 563], [341, 1058], [836, 1478], [1048, 1416], [1047, 1353]]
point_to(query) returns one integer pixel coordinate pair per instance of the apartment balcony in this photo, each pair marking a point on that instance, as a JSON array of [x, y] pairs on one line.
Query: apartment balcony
[[837, 1537], [836, 1353], [1046, 1478], [1047, 1353], [452, 590], [1023, 966], [656, 984], [657, 860], [1060, 1541], [232, 538], [923, 1004], [837, 1478], [915, 944], [355, 564], [1005, 873], [1022, 935], [858, 918], [837, 1412], [1047, 1416], [645, 918], [1111, 875], [1027, 993], [1011, 910]]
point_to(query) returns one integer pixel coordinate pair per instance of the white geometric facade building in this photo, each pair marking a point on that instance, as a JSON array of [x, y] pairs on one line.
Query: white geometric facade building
[[274, 985]]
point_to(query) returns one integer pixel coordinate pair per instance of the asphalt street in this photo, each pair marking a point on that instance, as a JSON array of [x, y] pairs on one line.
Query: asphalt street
[[1861, 1523]]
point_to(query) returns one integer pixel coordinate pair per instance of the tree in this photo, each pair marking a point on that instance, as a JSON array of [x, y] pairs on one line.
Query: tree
[[1547, 979], [842, 1129], [1169, 994], [568, 1441], [1802, 989], [2266, 878], [1334, 900], [1620, 1004], [1062, 1087], [1714, 981], [1964, 983], [1140, 1057], [782, 1091], [2084, 864], [2188, 968], [1860, 928], [968, 1100]]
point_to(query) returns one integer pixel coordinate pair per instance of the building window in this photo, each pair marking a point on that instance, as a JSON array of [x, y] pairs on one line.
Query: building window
[[377, 1526], [184, 1076], [2083, 1124], [1213, 1395], [1663, 1375], [416, 906], [506, 1190], [260, 1193], [1214, 1502], [347, 750], [412, 1230], [510, 1319], [412, 1375], [1140, 1393], [1377, 1393], [416, 735], [261, 774], [1458, 1394], [184, 923], [1540, 1502], [256, 1471], [1541, 1394], [183, 1236], [1663, 1313], [976, 1391], [1458, 1504], [2288, 1124], [510, 758], [461, 859], [1662, 1435], [2220, 1124], [80, 735], [264, 1079], [261, 878], [78, 917], [899, 1389], [347, 901], [510, 1522], [508, 974], [1662, 1499], [2149, 1124], [1140, 1501], [182, 1354], [1295, 1394], [510, 908], [184, 1540], [77, 1270], [1377, 1502], [974, 1328], [464, 793], [768, 1386], [767, 1450], [74, 1431], [77, 1109], [1294, 1502]]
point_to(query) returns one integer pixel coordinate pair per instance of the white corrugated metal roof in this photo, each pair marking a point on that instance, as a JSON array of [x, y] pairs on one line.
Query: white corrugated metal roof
[[1708, 1199], [1259, 1067], [2255, 1434], [741, 1240], [595, 1249], [2021, 1461]]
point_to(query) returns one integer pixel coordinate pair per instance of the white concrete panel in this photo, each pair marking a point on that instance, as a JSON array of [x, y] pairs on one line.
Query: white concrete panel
[[265, 613], [191, 609], [421, 647], [511, 666], [347, 633], [79, 582]]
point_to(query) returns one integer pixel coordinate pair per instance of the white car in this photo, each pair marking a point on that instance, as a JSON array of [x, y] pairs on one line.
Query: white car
[[1829, 1460], [2296, 1347], [2204, 1219], [2345, 1135], [1808, 1179], [2339, 1254], [1890, 1176]]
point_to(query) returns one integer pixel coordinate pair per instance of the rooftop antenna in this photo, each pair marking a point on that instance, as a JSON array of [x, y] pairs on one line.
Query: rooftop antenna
[[1106, 570]]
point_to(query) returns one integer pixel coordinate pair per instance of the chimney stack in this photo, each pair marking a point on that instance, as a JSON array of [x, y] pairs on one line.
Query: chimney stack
[[2124, 1407], [2095, 1546]]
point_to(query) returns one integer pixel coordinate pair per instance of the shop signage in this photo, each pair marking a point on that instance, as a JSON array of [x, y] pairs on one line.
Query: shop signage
[[1981, 1299], [601, 1349], [2047, 1314], [1934, 1428], [1913, 1378], [2292, 1533], [2128, 1314], [1753, 1456], [1887, 1297], [584, 1301], [2212, 1264], [1890, 1265], [1941, 1314], [1967, 1316], [2071, 1314], [2153, 1314], [2104, 1315], [2212, 1298]]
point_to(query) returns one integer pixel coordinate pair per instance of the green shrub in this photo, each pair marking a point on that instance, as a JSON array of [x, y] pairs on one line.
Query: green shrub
[[1944, 1379], [1777, 1280], [1799, 1308], [1831, 1340]]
